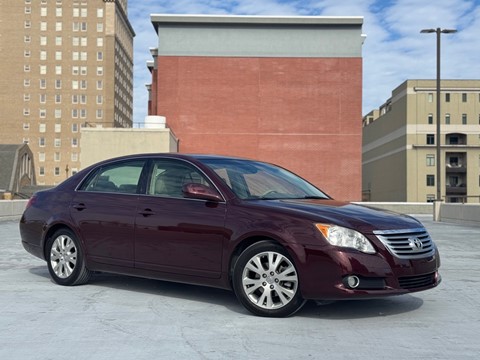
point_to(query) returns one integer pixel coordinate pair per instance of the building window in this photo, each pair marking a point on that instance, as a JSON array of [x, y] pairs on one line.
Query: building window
[[99, 27], [43, 55], [447, 97], [58, 84], [58, 113], [430, 180], [58, 11], [430, 118], [26, 97], [447, 118], [83, 99], [58, 70], [430, 160], [28, 10], [100, 13], [26, 126], [43, 98], [74, 156], [58, 40], [430, 198], [74, 127], [43, 69], [83, 26], [57, 171], [100, 73], [42, 113], [41, 171], [430, 139], [464, 97], [99, 113], [58, 26], [464, 119], [83, 12], [41, 141], [43, 26], [57, 142], [26, 68], [74, 113], [26, 82], [27, 39], [26, 53], [83, 41], [99, 55], [99, 85], [83, 70], [26, 112], [27, 24], [74, 142], [75, 84], [100, 41], [42, 128], [99, 99], [43, 40], [83, 113], [56, 156], [41, 157], [430, 97], [43, 11]]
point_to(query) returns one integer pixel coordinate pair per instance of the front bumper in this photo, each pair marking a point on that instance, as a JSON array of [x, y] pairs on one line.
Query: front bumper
[[324, 274]]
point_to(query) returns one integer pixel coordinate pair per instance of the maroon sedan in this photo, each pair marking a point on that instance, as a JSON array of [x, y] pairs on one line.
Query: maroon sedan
[[253, 227]]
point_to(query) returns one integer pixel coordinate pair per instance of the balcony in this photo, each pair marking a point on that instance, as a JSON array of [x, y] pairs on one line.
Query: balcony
[[456, 189], [456, 168]]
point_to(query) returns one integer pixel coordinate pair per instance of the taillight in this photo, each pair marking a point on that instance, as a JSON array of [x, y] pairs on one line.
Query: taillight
[[31, 201]]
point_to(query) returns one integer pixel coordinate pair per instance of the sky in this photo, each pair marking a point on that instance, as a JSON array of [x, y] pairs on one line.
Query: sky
[[394, 50]]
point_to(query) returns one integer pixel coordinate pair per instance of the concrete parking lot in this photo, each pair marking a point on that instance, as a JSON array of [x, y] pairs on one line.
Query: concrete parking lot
[[116, 317]]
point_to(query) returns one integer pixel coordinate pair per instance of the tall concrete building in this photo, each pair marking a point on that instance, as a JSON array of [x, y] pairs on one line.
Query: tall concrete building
[[65, 65], [282, 89], [399, 144]]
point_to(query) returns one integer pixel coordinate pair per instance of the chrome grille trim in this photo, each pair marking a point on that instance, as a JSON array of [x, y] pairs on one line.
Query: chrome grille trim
[[407, 243]]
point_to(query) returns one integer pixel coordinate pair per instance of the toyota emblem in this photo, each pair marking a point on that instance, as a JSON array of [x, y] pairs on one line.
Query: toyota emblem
[[415, 243]]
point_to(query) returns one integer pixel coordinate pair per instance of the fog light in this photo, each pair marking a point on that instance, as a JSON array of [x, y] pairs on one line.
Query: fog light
[[353, 281]]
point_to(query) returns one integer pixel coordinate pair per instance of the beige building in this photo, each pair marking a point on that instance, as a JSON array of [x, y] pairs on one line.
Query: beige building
[[65, 65], [399, 144]]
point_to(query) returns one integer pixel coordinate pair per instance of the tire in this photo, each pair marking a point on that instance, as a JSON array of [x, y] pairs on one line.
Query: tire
[[65, 259], [265, 281]]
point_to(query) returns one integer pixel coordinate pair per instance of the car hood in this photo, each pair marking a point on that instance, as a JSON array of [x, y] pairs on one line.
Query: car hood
[[358, 217]]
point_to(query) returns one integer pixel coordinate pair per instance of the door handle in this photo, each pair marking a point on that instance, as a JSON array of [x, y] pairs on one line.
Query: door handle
[[79, 207], [147, 212]]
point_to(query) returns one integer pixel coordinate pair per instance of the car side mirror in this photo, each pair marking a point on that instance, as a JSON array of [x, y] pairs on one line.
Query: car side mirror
[[200, 191]]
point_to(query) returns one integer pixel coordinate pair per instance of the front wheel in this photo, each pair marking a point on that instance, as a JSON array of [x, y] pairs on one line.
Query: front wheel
[[65, 260], [266, 282]]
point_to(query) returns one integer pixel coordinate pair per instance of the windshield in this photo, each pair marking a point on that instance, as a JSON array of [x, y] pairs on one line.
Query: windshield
[[251, 180]]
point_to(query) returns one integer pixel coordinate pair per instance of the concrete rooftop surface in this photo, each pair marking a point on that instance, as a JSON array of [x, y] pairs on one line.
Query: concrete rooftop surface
[[116, 317]]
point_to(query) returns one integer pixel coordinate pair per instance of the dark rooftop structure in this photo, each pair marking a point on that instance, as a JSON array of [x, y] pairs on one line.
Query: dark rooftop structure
[[16, 169]]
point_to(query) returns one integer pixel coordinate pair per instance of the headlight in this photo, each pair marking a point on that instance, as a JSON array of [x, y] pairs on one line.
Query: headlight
[[340, 236]]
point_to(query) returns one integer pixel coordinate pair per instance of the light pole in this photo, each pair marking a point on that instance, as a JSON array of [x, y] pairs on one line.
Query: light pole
[[438, 31]]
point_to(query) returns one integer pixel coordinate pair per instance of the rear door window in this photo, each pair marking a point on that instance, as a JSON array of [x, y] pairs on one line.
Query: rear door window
[[122, 177]]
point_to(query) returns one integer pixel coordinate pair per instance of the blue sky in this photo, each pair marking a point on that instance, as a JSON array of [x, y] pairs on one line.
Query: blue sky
[[393, 52]]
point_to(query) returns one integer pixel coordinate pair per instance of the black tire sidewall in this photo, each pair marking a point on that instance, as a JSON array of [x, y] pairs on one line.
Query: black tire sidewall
[[263, 246]]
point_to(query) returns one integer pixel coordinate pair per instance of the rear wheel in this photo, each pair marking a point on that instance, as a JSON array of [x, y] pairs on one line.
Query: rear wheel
[[266, 281], [65, 259]]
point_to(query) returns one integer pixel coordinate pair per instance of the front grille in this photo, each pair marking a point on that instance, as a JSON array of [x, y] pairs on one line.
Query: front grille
[[407, 244], [413, 282]]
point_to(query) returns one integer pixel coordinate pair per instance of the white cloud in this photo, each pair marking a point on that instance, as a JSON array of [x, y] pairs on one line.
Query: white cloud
[[393, 52]]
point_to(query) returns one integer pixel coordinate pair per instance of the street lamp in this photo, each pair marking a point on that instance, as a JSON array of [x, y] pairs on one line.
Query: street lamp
[[438, 31]]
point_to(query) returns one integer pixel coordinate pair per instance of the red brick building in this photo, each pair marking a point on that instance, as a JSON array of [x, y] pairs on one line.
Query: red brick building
[[286, 90]]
